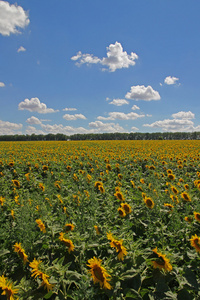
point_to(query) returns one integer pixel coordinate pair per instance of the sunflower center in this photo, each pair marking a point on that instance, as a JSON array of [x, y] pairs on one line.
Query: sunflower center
[[149, 202], [196, 242], [98, 273]]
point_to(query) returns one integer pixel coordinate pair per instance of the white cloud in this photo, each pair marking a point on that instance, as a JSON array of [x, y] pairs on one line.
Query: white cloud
[[99, 126], [85, 59], [2, 84], [21, 49], [74, 117], [116, 58], [134, 128], [68, 130], [12, 17], [9, 128], [170, 80], [134, 107], [119, 102], [34, 105], [183, 115], [31, 129], [172, 125], [181, 122], [140, 92], [69, 109], [121, 116], [33, 121], [95, 127]]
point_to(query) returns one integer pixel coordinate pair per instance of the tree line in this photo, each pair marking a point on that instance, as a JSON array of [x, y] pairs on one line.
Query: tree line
[[104, 136]]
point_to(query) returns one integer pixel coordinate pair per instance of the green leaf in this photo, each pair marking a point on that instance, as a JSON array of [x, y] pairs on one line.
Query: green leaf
[[184, 295], [48, 295], [132, 294], [4, 252]]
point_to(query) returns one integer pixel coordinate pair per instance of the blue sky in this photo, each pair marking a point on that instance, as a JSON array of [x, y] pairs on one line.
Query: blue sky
[[87, 66]]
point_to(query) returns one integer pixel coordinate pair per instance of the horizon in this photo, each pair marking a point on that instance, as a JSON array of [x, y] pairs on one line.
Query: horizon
[[99, 67]]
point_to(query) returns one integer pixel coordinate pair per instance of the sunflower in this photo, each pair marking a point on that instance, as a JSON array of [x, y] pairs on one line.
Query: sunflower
[[41, 225], [121, 212], [2, 200], [133, 183], [16, 183], [69, 168], [186, 186], [188, 219], [41, 186], [20, 251], [119, 196], [126, 207], [38, 273], [97, 229], [9, 290], [108, 167], [161, 262], [121, 250], [169, 206], [197, 216], [97, 184], [69, 227], [142, 181], [45, 282], [101, 189], [67, 242], [35, 266], [185, 196], [171, 176], [174, 190], [99, 273], [149, 202], [45, 168], [195, 242]]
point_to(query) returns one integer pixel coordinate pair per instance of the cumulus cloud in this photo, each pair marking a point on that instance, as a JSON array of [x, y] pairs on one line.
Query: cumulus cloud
[[94, 127], [99, 126], [183, 115], [116, 58], [8, 128], [21, 49], [34, 105], [121, 116], [12, 17], [134, 107], [140, 92], [119, 102], [2, 84], [85, 59], [181, 122], [33, 121], [31, 129], [69, 109], [74, 117], [134, 128], [170, 80], [68, 130]]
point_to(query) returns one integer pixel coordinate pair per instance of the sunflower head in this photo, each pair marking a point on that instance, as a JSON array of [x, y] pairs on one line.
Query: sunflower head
[[197, 216], [149, 202], [122, 212], [195, 242], [126, 207], [160, 261], [99, 273]]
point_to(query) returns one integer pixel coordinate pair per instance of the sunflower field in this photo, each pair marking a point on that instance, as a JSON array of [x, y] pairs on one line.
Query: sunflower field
[[100, 220]]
